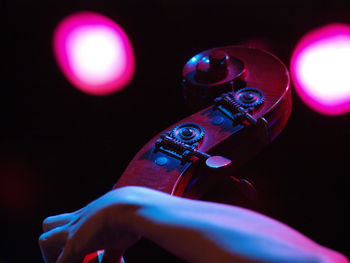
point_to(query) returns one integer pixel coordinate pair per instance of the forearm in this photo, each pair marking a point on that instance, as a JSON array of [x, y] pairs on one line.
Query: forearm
[[196, 231], [204, 232]]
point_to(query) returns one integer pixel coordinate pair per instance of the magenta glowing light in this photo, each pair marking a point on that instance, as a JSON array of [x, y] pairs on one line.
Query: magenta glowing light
[[94, 53], [320, 69]]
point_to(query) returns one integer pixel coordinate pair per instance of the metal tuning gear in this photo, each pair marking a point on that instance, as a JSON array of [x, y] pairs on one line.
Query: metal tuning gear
[[231, 108], [188, 132], [250, 98], [169, 144]]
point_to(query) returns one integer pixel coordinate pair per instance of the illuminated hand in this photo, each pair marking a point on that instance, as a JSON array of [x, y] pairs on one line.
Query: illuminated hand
[[195, 231], [102, 224]]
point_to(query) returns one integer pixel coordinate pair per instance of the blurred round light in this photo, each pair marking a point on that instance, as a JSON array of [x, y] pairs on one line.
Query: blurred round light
[[94, 53], [320, 69]]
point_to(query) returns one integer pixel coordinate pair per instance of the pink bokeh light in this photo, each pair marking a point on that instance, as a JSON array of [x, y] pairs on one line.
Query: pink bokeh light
[[320, 68], [94, 53]]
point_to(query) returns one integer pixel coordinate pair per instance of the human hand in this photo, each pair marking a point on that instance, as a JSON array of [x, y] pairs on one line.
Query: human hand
[[102, 224], [195, 231]]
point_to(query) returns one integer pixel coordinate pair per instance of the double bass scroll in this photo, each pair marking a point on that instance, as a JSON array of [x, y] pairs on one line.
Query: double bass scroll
[[242, 101]]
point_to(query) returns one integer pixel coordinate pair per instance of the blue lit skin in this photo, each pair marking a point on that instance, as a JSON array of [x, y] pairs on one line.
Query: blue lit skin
[[195, 231]]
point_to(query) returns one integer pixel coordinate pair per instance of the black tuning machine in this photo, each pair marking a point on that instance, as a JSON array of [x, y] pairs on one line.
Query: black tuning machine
[[183, 143]]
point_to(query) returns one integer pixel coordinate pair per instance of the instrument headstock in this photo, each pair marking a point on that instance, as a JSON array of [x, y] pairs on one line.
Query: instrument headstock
[[242, 99]]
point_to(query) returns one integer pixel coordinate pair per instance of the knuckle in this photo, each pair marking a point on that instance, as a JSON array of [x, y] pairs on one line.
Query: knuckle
[[129, 193]]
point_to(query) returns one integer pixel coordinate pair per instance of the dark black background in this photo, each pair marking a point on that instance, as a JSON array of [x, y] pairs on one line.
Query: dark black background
[[61, 148]]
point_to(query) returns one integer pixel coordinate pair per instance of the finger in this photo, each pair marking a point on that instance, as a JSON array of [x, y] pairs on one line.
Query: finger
[[71, 253], [51, 244], [54, 221]]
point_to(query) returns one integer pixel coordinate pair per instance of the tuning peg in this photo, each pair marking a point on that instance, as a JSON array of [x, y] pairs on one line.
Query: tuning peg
[[216, 162]]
